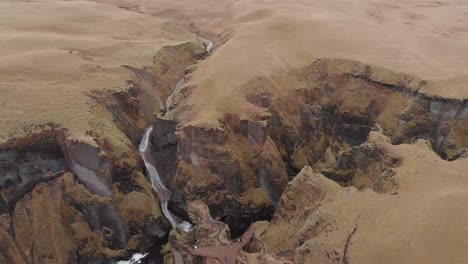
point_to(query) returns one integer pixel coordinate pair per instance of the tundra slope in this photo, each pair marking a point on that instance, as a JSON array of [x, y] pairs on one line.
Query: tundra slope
[[247, 120], [72, 183], [304, 83]]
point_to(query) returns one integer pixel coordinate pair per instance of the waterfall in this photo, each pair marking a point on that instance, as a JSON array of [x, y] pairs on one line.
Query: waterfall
[[209, 46], [135, 259], [170, 98], [163, 193]]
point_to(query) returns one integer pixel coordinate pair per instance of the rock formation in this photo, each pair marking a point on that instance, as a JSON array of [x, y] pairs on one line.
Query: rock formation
[[105, 207], [324, 126], [214, 236], [318, 221]]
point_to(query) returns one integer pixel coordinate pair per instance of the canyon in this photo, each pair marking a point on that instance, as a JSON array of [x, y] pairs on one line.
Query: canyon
[[272, 131]]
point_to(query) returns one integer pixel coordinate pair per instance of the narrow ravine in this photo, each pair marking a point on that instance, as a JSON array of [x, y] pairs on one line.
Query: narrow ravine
[[163, 193], [170, 98]]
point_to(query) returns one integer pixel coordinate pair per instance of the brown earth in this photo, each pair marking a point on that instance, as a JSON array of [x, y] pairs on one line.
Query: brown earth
[[326, 95], [320, 222]]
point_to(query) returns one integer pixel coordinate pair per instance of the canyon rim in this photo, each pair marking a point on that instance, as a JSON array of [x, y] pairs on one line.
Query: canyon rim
[[329, 132]]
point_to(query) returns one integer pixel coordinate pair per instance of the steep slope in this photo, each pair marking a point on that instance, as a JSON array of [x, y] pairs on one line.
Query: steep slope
[[77, 90], [342, 225], [313, 93]]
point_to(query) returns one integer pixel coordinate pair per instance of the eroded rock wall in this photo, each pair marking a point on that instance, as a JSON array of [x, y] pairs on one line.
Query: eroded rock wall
[[241, 165], [85, 198]]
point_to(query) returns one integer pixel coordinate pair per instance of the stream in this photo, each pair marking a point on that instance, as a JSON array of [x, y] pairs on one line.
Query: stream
[[164, 194]]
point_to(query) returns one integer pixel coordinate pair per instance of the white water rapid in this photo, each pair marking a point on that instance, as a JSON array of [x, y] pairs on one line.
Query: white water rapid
[[135, 259]]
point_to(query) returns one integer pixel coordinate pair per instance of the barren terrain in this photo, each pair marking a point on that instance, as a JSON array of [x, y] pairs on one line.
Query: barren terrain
[[337, 129]]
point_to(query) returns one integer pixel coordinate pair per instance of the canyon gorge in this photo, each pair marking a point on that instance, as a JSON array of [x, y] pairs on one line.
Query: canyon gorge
[[328, 132]]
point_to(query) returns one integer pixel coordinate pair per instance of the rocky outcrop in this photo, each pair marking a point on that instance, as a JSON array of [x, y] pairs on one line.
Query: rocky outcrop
[[366, 166], [314, 219], [219, 167], [319, 221], [49, 215], [209, 233], [338, 102], [22, 168], [361, 95], [239, 166], [84, 198], [165, 154], [90, 196]]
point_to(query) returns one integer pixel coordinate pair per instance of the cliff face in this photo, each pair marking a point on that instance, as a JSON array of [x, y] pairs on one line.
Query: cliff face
[[213, 238], [325, 123], [238, 180], [319, 221], [277, 126], [239, 167], [89, 198]]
